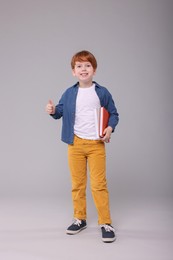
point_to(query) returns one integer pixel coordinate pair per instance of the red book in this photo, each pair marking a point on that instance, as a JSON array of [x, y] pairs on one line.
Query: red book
[[102, 118]]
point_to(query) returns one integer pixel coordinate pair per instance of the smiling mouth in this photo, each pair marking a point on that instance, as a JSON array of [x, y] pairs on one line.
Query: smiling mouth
[[84, 74]]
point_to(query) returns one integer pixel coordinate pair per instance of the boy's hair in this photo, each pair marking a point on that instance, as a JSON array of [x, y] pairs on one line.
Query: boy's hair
[[84, 56]]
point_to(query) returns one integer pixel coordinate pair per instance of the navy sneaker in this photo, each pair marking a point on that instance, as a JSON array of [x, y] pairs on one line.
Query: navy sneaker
[[108, 233], [76, 227]]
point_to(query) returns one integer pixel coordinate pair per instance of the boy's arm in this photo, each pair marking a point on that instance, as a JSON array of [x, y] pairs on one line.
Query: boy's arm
[[114, 116]]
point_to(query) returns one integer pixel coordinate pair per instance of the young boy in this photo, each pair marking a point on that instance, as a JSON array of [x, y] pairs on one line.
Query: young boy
[[76, 107]]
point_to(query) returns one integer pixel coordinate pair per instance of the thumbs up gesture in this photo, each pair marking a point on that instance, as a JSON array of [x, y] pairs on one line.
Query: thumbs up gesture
[[50, 108]]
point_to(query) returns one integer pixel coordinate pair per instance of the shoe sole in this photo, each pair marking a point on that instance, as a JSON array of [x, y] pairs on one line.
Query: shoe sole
[[72, 232], [108, 240]]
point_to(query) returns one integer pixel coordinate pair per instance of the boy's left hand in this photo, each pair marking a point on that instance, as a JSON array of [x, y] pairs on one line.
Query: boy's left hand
[[107, 134]]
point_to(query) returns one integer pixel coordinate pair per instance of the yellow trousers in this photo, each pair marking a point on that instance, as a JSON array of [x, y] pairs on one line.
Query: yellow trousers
[[81, 153]]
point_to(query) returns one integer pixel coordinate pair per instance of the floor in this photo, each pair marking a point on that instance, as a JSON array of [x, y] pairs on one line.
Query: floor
[[34, 229]]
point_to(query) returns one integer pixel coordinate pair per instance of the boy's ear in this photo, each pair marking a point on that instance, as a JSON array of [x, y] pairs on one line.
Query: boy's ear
[[73, 73]]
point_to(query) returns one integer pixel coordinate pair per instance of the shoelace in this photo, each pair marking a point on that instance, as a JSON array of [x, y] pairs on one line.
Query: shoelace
[[77, 222], [107, 228]]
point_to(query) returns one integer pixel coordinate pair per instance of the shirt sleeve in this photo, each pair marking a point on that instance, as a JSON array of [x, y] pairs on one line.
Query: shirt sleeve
[[114, 116], [59, 108]]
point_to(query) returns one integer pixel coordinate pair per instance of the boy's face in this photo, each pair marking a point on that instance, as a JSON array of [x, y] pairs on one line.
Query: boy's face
[[84, 72]]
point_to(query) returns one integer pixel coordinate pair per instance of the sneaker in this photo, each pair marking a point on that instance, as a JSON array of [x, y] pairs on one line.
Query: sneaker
[[108, 233], [76, 227]]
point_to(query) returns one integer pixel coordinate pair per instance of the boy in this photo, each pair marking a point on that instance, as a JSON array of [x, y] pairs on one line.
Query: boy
[[76, 107]]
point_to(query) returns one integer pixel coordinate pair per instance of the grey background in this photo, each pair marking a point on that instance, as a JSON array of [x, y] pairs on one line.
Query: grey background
[[132, 41]]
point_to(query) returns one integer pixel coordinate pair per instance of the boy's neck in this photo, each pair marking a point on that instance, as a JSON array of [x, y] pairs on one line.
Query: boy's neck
[[85, 85]]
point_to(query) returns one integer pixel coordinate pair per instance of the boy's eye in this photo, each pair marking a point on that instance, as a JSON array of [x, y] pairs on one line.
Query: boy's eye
[[80, 66]]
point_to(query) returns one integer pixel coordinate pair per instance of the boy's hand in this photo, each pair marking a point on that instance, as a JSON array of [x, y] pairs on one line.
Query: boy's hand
[[50, 108], [107, 134]]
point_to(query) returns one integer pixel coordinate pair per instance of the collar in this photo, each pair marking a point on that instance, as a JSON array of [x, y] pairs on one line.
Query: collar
[[94, 82]]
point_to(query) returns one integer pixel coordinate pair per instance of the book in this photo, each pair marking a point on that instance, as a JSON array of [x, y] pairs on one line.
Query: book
[[101, 121]]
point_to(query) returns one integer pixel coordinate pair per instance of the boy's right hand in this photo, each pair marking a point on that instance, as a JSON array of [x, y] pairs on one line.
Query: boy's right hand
[[50, 108]]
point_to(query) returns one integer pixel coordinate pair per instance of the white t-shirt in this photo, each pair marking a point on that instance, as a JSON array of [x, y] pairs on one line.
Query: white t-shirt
[[86, 103]]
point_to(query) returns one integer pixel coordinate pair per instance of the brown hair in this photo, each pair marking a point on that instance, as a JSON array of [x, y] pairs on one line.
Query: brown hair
[[84, 56]]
